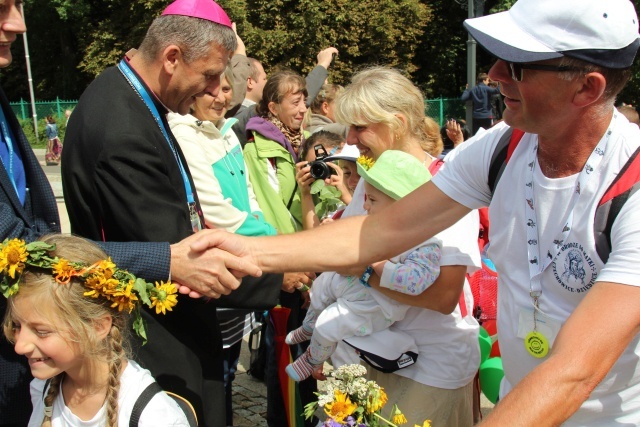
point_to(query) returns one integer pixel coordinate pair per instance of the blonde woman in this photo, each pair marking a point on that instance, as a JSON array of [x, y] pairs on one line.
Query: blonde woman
[[385, 111]]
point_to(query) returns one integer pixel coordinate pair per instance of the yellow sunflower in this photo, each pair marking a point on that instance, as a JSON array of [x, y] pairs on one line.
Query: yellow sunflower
[[124, 298], [94, 282], [377, 399], [106, 267], [63, 271], [340, 408], [427, 423], [164, 297], [366, 162], [12, 257], [397, 416]]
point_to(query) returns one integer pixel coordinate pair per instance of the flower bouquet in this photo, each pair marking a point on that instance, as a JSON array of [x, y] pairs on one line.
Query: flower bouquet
[[350, 400]]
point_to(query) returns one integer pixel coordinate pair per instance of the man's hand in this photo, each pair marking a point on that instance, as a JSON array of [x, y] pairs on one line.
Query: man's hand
[[326, 56], [240, 47], [209, 272], [454, 132]]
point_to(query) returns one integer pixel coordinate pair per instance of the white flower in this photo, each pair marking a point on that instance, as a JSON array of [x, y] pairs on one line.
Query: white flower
[[349, 372]]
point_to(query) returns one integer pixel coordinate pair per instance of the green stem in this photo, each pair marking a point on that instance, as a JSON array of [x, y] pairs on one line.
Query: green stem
[[385, 420]]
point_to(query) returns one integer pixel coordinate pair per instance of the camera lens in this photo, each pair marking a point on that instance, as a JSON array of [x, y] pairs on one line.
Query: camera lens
[[320, 170]]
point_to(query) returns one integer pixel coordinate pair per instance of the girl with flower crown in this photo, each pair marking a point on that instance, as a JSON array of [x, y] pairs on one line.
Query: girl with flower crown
[[68, 311]]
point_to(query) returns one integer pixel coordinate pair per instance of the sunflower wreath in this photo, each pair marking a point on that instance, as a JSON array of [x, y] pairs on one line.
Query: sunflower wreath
[[103, 279]]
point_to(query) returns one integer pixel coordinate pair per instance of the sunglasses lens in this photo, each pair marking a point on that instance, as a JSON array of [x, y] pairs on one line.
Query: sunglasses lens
[[516, 71]]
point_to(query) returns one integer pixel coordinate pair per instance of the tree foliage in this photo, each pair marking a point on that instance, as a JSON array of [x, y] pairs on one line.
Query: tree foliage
[[291, 33], [71, 41]]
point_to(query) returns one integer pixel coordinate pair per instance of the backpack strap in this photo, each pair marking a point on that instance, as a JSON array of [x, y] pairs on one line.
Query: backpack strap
[[501, 155], [623, 186], [46, 387], [142, 402], [435, 166]]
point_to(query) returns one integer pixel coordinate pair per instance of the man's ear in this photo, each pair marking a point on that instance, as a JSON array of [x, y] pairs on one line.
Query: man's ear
[[171, 58], [272, 108], [249, 83], [591, 87], [103, 326]]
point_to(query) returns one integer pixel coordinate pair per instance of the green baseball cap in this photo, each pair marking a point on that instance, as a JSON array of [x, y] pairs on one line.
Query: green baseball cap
[[395, 173]]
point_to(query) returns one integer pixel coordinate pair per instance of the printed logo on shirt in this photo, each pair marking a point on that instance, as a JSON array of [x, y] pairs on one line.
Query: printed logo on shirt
[[573, 269]]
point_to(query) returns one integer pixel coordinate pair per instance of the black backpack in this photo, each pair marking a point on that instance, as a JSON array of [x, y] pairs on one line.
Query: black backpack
[[143, 400], [148, 393]]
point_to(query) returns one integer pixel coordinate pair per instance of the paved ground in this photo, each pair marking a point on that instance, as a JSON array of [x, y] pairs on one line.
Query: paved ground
[[249, 394]]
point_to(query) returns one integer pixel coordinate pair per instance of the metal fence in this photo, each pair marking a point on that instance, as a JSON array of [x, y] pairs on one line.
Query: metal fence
[[439, 109], [57, 108], [442, 109]]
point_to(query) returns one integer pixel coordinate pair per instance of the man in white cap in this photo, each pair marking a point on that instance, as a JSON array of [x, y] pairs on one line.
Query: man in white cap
[[125, 179], [569, 316]]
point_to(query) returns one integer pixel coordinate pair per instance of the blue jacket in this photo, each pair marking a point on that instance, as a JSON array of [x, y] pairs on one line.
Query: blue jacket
[[481, 96]]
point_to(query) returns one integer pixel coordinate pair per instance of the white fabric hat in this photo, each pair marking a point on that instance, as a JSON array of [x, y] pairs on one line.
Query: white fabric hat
[[602, 32], [348, 152]]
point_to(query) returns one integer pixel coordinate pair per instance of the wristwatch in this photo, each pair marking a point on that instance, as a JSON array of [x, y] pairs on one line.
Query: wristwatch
[[364, 279]]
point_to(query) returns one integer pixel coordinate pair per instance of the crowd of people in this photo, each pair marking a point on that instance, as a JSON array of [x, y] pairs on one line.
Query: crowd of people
[[188, 166]]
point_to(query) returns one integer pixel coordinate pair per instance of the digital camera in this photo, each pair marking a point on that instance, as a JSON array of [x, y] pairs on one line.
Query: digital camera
[[319, 168]]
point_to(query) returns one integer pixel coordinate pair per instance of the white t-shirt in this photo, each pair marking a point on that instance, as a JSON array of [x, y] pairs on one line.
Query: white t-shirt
[[161, 410], [573, 272], [449, 354]]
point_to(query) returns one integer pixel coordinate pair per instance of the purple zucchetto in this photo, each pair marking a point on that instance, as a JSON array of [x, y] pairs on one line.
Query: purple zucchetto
[[203, 9]]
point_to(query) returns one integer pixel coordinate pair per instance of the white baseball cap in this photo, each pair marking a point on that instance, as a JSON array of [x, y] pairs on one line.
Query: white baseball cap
[[348, 152], [602, 32]]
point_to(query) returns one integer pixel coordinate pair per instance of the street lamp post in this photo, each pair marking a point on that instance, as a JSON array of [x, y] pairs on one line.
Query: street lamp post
[[471, 66], [30, 78]]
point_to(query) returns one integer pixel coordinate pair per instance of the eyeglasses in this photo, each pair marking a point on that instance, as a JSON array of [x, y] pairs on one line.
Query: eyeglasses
[[516, 69]]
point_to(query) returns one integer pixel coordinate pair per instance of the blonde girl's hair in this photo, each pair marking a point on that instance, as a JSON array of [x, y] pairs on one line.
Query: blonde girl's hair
[[377, 94], [77, 315]]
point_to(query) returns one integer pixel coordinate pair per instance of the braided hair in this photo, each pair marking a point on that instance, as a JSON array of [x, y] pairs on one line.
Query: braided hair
[[77, 317]]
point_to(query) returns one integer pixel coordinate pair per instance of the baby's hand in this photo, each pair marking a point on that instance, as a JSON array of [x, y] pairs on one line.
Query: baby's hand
[[318, 374]]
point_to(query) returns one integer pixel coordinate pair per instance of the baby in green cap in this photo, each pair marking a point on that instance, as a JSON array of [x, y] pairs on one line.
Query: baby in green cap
[[346, 306]]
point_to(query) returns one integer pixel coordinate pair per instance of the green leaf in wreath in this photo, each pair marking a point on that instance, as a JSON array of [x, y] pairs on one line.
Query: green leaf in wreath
[[141, 287]]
